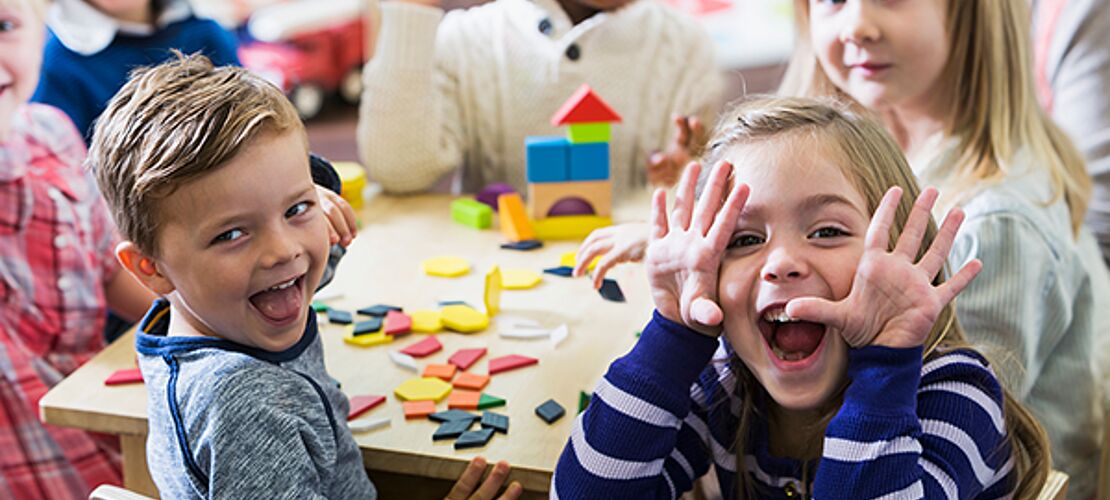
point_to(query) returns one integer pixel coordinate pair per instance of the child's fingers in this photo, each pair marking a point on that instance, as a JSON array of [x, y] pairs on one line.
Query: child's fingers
[[934, 258], [659, 225], [683, 126], [349, 217], [469, 479], [684, 197], [493, 482], [816, 310], [513, 492], [586, 255], [725, 224], [910, 239], [333, 237], [878, 232], [711, 198], [706, 312], [604, 264], [956, 284]]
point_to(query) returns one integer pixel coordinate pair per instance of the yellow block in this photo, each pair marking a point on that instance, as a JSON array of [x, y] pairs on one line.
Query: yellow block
[[448, 267], [464, 319], [353, 178], [569, 260], [519, 279], [370, 339], [426, 321], [422, 389], [568, 227], [493, 291]]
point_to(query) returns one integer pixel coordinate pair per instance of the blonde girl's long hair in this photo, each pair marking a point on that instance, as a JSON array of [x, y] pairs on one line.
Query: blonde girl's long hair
[[872, 162], [994, 112]]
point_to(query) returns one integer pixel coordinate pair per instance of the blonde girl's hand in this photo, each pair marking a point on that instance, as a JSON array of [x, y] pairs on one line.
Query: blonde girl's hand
[[614, 244], [471, 487], [342, 226], [684, 252], [664, 167], [893, 301]]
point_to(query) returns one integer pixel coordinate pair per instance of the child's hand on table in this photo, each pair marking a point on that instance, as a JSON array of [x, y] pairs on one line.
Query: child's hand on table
[[468, 488]]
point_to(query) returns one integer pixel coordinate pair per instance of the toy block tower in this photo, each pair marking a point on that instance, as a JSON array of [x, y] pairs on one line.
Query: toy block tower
[[569, 176]]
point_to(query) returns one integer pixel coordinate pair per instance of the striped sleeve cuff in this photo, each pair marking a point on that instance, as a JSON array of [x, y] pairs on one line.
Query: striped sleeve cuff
[[884, 380]]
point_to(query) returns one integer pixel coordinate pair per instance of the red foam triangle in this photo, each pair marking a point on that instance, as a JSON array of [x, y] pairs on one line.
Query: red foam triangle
[[464, 358], [125, 376], [363, 404], [584, 107], [510, 362], [423, 348], [397, 323]]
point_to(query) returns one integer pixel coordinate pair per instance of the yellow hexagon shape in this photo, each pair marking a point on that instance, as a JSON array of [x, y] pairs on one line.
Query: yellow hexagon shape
[[367, 340], [426, 321], [422, 389], [569, 260], [493, 291], [464, 319], [448, 267], [519, 279]]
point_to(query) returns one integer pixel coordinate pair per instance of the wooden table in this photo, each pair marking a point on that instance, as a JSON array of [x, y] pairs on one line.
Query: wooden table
[[382, 266]]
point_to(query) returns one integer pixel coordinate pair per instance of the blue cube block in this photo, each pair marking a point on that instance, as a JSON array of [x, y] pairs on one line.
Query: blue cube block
[[547, 159], [589, 162]]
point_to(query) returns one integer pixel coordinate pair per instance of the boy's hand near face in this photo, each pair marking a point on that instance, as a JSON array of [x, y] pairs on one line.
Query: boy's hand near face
[[686, 246], [893, 301], [664, 167], [342, 226], [468, 488]]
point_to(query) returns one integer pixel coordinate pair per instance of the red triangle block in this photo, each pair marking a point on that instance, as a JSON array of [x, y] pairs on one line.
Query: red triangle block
[[125, 376], [397, 323], [363, 404], [510, 362], [464, 358], [425, 347], [584, 107]]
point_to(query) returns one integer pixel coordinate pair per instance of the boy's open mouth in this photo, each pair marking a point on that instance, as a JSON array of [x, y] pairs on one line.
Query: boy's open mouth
[[281, 302], [790, 339]]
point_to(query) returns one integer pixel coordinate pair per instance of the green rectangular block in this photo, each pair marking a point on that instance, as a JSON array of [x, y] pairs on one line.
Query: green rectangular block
[[473, 213], [583, 133]]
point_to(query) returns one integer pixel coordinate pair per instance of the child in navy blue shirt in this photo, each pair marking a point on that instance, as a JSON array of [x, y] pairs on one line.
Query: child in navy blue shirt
[[94, 44]]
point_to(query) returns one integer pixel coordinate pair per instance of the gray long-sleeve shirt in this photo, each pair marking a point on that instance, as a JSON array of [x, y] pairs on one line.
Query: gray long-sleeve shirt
[[232, 421]]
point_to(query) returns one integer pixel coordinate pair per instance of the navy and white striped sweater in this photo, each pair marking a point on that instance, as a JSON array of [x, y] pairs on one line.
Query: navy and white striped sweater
[[905, 429]]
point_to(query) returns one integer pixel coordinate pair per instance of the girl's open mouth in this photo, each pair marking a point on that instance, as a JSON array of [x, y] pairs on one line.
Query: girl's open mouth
[[792, 344]]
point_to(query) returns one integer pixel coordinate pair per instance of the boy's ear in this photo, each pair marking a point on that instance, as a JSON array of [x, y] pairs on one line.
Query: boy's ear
[[143, 268]]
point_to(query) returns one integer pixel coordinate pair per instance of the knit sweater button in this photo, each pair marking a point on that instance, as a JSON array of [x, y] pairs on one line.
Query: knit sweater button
[[573, 53], [545, 26]]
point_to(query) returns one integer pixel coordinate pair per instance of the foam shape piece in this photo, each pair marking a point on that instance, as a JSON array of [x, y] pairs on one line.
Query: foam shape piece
[[463, 400], [464, 319], [520, 279], [125, 376], [471, 381], [543, 197], [418, 409], [589, 162], [426, 321], [368, 425], [362, 404], [445, 372], [492, 295], [378, 310], [319, 307], [397, 323], [585, 133], [547, 159], [422, 389], [445, 416], [570, 259], [339, 317], [611, 290], [583, 401], [445, 266], [550, 411], [430, 345], [514, 220], [488, 195], [563, 271], [523, 246], [452, 303], [584, 106], [569, 227], [559, 334], [472, 213], [465, 358], [525, 333], [404, 361], [371, 325], [474, 439], [452, 429], [367, 340], [488, 401], [510, 362], [519, 322], [495, 421]]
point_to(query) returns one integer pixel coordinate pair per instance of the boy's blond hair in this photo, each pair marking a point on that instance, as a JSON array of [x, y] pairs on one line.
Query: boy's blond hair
[[171, 124]]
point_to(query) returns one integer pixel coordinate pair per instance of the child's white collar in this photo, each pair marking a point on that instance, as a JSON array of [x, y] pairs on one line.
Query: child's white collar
[[86, 31]]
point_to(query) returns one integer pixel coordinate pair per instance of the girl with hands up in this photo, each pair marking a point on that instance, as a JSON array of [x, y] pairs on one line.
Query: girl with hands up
[[804, 340]]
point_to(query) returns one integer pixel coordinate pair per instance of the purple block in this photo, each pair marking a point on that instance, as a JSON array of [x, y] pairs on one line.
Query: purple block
[[489, 194], [571, 206]]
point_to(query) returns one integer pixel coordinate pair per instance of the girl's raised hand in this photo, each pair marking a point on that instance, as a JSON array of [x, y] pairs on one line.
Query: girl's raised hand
[[614, 245], [893, 301], [684, 252]]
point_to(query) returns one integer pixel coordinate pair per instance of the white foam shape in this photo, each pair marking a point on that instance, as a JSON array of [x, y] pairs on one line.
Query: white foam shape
[[559, 334], [404, 361], [364, 425]]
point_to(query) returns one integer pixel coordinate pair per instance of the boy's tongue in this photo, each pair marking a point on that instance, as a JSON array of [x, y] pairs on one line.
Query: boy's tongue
[[278, 305], [799, 336]]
